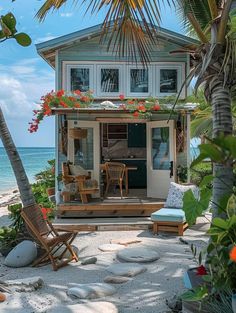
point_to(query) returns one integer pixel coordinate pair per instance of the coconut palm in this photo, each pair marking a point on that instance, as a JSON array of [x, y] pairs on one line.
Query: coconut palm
[[8, 31], [130, 26], [25, 190]]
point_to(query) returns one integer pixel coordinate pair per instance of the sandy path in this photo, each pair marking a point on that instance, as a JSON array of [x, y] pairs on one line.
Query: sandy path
[[146, 293]]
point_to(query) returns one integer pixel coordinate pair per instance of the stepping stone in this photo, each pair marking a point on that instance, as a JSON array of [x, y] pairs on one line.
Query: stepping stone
[[89, 307], [91, 291], [139, 254], [22, 255], [110, 247], [87, 261], [126, 242], [126, 269], [116, 279]]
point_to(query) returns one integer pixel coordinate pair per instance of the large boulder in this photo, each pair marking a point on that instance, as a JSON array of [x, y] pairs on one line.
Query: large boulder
[[22, 255]]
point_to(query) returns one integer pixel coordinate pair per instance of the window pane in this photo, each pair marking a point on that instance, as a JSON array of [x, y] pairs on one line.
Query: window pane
[[139, 80], [160, 148], [109, 80], [80, 79], [84, 151], [168, 81]]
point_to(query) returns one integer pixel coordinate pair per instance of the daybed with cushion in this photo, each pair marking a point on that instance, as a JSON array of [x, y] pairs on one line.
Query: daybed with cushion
[[172, 218]]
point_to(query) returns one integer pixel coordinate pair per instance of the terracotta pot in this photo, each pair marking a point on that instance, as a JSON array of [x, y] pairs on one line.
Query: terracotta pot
[[78, 133], [51, 191]]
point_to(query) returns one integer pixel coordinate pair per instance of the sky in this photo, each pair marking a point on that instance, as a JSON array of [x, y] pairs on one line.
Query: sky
[[25, 76]]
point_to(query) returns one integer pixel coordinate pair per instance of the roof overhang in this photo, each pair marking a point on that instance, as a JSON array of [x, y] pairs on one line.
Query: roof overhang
[[47, 50]]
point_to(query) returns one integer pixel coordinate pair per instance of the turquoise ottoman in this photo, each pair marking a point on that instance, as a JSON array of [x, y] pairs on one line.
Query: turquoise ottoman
[[169, 219]]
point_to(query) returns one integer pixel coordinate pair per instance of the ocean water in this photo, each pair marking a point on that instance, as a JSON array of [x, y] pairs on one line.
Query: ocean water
[[33, 159]]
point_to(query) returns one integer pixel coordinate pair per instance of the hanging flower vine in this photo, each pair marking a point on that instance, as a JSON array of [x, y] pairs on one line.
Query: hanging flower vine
[[59, 99], [140, 108]]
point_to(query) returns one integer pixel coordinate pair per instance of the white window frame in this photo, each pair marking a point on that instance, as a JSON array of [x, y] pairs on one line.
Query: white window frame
[[72, 65], [124, 78], [139, 94], [121, 80], [180, 67]]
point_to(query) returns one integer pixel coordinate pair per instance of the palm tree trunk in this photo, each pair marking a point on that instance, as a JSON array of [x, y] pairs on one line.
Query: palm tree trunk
[[222, 124], [25, 190]]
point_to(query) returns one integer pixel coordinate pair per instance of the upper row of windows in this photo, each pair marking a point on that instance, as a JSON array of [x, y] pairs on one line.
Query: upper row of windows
[[111, 80]]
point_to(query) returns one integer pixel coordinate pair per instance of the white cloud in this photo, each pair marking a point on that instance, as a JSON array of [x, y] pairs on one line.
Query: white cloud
[[67, 14], [22, 85]]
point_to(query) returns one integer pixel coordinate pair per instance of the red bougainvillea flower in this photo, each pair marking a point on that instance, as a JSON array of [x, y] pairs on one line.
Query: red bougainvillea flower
[[142, 108], [60, 93], [232, 254], [45, 212], [77, 92], [156, 107], [130, 102], [201, 270], [136, 114], [122, 97]]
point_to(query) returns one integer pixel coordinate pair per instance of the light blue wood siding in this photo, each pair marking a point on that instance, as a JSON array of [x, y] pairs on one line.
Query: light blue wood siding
[[92, 50]]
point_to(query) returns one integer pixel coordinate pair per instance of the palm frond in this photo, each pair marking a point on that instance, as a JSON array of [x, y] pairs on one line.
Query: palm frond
[[130, 26], [201, 11], [202, 124]]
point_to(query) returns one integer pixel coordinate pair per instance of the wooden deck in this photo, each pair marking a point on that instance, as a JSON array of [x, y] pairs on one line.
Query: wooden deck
[[110, 208], [103, 224]]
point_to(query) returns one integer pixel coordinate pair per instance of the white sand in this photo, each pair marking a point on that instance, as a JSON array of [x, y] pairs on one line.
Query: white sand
[[145, 293]]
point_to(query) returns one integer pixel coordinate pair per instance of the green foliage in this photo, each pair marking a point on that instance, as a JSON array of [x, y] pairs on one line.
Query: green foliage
[[220, 150], [182, 173], [8, 30], [194, 208], [199, 171], [8, 237], [44, 180]]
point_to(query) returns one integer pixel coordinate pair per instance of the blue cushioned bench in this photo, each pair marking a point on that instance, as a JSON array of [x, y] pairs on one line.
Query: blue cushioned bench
[[169, 219]]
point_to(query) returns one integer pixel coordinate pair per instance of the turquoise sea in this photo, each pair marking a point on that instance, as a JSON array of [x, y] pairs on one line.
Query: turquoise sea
[[34, 161]]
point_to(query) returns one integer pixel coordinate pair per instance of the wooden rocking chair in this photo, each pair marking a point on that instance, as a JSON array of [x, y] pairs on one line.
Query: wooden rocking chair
[[48, 238]]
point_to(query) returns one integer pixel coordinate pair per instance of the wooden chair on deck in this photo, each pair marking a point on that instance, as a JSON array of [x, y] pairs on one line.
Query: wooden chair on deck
[[114, 175], [86, 187], [48, 238]]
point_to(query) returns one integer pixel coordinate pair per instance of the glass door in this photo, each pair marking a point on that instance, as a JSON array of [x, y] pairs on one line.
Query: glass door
[[160, 158], [84, 153]]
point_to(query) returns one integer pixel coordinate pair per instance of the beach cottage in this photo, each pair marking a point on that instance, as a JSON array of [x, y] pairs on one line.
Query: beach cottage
[[155, 151]]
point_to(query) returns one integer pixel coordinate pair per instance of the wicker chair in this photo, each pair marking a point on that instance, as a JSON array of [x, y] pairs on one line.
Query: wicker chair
[[86, 187], [114, 175], [48, 238]]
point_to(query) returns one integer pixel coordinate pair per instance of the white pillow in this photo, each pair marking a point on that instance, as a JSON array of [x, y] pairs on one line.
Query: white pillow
[[77, 170], [176, 193]]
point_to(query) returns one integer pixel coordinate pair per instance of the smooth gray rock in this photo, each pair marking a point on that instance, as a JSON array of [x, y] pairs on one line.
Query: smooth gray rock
[[116, 279], [126, 269], [139, 254], [22, 255], [88, 307], [91, 291], [87, 261], [25, 284], [110, 247]]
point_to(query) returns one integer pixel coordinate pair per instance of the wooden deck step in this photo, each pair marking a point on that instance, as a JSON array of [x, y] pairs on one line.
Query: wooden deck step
[[103, 224]]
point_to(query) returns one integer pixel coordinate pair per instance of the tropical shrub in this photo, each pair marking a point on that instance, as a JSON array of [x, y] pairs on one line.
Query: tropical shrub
[[220, 278]]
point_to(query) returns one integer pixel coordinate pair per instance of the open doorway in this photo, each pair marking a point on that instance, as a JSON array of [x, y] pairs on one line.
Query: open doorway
[[126, 143]]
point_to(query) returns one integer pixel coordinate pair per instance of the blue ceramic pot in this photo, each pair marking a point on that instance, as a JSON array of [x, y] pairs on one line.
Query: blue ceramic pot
[[234, 302]]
